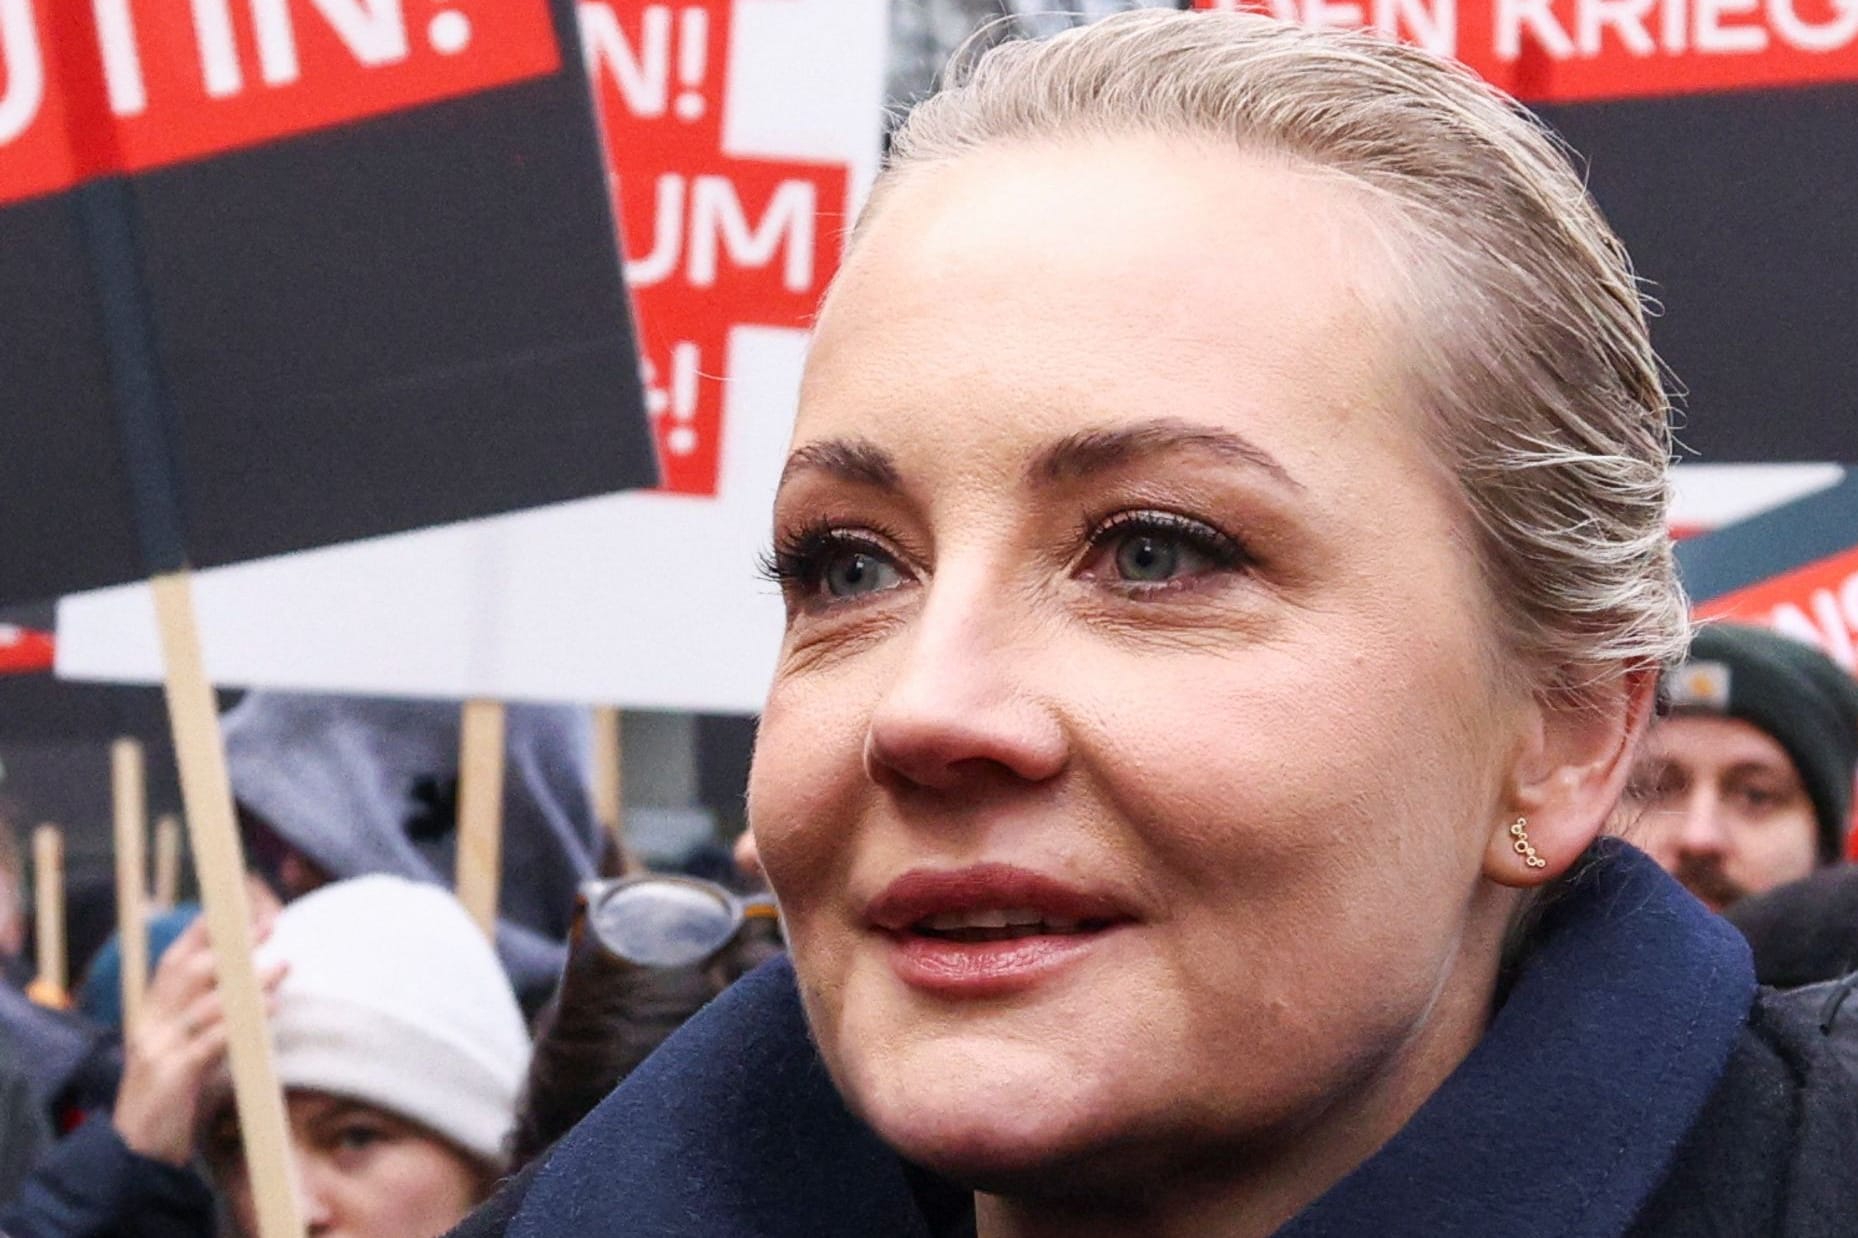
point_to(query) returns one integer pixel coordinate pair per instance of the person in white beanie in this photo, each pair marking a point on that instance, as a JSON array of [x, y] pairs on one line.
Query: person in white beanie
[[401, 1051]]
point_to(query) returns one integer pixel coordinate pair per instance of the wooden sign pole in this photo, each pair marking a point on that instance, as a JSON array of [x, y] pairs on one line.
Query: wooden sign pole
[[48, 885], [608, 781], [129, 791], [167, 887], [220, 864], [480, 810]]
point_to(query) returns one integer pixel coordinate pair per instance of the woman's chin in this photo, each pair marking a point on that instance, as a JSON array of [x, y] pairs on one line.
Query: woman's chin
[[984, 1152], [986, 1127]]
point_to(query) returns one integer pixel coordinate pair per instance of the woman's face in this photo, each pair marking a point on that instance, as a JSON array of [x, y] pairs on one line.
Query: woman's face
[[364, 1173], [1132, 755]]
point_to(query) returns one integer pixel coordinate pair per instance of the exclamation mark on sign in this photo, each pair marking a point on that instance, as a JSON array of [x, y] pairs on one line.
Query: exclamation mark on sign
[[693, 58], [682, 440], [449, 32]]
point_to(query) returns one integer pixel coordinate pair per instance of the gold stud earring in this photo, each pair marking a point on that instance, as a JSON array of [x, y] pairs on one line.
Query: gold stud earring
[[1523, 847]]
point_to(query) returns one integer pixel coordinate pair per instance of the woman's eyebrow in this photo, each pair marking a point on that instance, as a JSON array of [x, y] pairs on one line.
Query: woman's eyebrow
[[850, 459], [1093, 451]]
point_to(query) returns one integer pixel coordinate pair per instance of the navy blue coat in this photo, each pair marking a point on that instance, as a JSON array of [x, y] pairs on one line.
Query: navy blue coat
[[92, 1186], [1633, 1084]]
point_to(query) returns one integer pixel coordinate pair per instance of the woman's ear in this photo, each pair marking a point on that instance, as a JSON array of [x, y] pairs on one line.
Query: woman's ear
[[1568, 775]]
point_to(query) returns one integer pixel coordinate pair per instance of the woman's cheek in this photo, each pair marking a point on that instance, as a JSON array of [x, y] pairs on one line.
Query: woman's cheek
[[801, 789]]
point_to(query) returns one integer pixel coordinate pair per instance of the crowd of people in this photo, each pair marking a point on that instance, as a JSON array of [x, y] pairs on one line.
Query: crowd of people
[[421, 1060], [1240, 760]]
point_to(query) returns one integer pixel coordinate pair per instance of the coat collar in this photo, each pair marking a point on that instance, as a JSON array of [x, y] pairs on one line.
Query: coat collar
[[1561, 1122], [1566, 1116]]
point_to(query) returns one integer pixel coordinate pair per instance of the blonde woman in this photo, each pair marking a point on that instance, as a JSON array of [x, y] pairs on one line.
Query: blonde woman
[[1220, 621]]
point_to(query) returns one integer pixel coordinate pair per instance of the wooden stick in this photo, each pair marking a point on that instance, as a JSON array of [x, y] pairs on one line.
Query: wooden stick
[[220, 864], [48, 886], [129, 791], [167, 863], [608, 781], [480, 810]]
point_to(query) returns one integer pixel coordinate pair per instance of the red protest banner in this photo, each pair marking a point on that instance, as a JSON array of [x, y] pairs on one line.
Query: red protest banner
[[713, 240], [1566, 51], [25, 650], [94, 87], [1793, 568], [1817, 603]]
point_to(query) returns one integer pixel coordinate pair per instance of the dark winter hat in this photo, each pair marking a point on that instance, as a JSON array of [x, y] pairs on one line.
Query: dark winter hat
[[1791, 691]]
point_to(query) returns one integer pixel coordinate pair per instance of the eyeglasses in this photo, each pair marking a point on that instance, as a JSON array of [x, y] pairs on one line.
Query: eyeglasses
[[666, 921]]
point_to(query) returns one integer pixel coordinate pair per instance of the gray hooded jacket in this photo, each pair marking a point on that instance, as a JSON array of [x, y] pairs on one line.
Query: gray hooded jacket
[[369, 786]]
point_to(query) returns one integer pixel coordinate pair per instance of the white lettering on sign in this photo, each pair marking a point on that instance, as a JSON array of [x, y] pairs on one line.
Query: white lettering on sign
[[1826, 37], [1570, 30], [374, 31], [642, 74], [1832, 627], [718, 224], [1625, 18], [1433, 24], [219, 49], [1709, 34], [23, 65], [122, 65], [1644, 28], [717, 220], [676, 399], [1544, 30]]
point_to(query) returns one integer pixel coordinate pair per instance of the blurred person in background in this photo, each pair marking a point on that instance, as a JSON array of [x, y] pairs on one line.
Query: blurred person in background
[[401, 1050], [334, 787], [646, 953], [56, 1066], [1746, 784], [1227, 573], [1805, 932], [126, 1171], [15, 967]]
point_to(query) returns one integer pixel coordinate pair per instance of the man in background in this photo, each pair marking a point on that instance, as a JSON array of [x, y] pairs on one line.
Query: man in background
[[1746, 783]]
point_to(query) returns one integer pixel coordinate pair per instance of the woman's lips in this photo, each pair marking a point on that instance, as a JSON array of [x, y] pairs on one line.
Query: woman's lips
[[989, 929]]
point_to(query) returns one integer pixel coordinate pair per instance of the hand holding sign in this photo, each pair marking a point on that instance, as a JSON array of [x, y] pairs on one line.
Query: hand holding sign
[[169, 1058]]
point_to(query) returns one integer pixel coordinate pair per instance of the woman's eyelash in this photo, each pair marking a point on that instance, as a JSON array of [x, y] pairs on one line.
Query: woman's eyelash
[[798, 557], [1220, 548]]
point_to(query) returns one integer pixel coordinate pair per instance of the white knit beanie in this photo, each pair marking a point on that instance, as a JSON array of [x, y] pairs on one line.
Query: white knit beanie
[[394, 998]]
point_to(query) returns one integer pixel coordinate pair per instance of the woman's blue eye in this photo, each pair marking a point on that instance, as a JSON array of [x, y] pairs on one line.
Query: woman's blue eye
[[1146, 558], [1151, 557], [822, 565], [853, 573]]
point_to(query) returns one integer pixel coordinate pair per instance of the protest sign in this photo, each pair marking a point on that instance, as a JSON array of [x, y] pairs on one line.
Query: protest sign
[[744, 135], [276, 276], [24, 650], [1718, 140], [1711, 496], [1794, 569], [358, 262]]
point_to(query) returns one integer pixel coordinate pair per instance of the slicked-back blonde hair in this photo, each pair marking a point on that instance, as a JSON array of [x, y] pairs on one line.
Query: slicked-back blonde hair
[[1525, 335]]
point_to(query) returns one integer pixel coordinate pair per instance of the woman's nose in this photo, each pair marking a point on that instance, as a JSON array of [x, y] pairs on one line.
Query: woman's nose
[[967, 702]]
